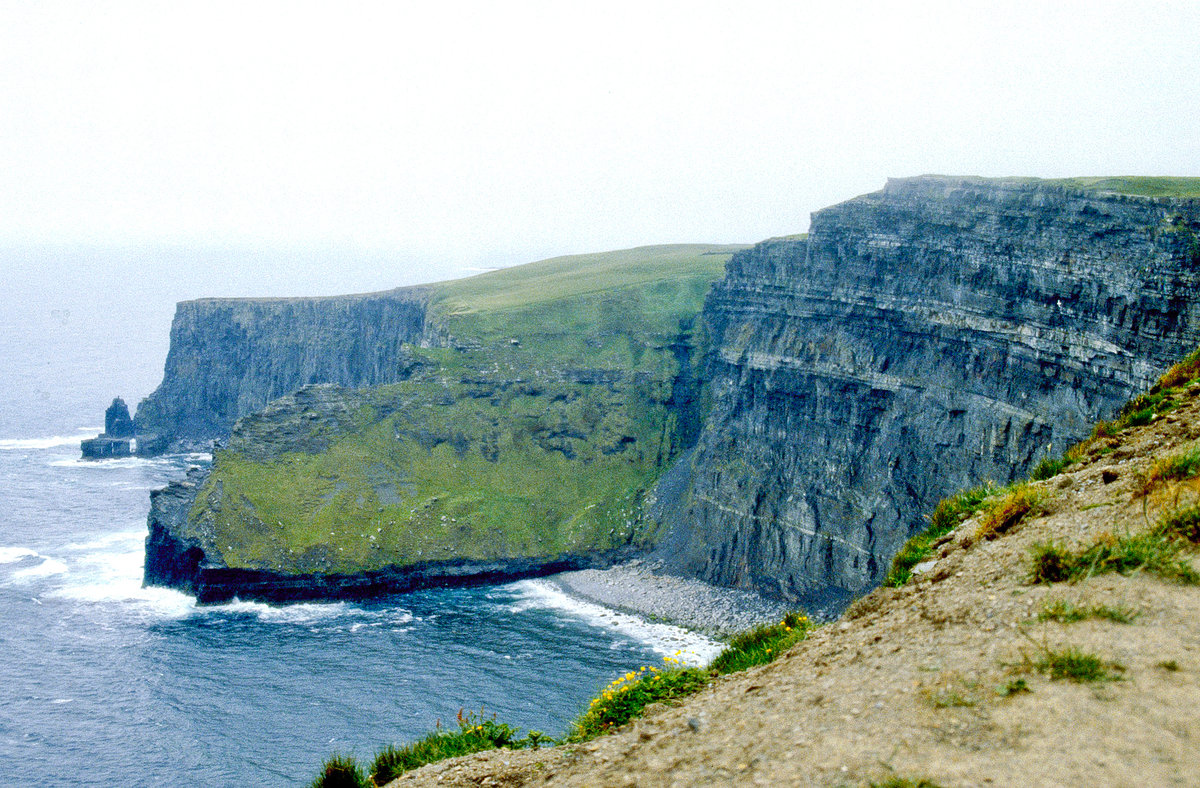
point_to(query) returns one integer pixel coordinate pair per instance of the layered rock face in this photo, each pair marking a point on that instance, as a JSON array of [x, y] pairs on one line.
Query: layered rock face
[[230, 357], [925, 338]]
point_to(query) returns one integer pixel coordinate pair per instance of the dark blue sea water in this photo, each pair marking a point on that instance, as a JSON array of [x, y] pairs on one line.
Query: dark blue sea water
[[103, 682]]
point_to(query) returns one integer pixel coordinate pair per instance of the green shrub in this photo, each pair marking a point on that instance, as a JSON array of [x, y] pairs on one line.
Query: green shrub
[[762, 644], [341, 771]]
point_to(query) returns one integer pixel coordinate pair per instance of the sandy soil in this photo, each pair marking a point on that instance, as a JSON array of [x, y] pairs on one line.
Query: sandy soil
[[910, 682]]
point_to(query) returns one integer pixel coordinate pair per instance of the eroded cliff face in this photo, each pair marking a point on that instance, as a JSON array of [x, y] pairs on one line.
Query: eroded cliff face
[[537, 407], [924, 338], [230, 357]]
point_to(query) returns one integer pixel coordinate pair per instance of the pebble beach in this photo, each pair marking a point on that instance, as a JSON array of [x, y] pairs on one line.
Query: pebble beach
[[639, 589]]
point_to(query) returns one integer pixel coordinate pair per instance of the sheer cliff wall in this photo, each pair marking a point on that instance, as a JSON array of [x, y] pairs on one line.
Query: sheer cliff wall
[[230, 357], [928, 337]]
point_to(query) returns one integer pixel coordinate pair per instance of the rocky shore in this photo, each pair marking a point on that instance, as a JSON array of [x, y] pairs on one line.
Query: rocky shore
[[640, 588]]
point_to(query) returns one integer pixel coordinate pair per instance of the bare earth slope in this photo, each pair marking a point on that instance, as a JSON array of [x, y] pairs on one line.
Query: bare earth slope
[[909, 684]]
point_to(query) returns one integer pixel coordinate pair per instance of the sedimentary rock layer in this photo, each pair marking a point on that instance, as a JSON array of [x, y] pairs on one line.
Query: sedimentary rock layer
[[924, 338]]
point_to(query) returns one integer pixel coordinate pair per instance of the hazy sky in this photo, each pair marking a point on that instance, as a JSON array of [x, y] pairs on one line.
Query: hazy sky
[[407, 141]]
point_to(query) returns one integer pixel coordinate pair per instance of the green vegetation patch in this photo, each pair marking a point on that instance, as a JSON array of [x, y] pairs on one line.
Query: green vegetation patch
[[627, 697], [1008, 508], [624, 699], [762, 644], [1076, 665], [341, 771], [476, 733], [1175, 467], [1063, 611], [948, 515], [1158, 551], [563, 390]]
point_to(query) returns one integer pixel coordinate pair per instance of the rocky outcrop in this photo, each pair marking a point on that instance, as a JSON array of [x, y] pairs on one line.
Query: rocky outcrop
[[115, 441], [117, 423], [230, 357], [924, 338]]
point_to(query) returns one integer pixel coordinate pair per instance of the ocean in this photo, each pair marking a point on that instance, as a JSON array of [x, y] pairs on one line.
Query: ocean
[[108, 683]]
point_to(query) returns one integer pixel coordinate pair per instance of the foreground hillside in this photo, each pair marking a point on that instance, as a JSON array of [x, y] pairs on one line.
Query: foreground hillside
[[971, 673]]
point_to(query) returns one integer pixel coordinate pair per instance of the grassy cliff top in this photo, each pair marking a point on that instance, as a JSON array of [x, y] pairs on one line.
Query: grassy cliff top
[[1144, 185], [1140, 185], [572, 276]]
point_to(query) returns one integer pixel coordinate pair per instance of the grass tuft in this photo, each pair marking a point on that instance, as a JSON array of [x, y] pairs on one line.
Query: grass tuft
[[1075, 665], [1175, 467], [1052, 563], [1050, 467], [341, 771], [1013, 687], [1182, 373], [904, 782], [950, 512], [1157, 551], [475, 733], [1065, 612], [1004, 512], [1181, 524]]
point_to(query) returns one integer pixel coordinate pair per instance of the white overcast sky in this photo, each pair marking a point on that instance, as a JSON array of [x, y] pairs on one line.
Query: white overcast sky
[[440, 135]]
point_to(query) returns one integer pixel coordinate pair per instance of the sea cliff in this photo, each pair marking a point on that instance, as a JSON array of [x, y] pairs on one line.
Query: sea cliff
[[786, 438], [525, 421], [921, 339]]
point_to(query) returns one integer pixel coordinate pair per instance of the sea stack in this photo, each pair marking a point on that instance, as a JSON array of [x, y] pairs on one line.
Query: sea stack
[[117, 437]]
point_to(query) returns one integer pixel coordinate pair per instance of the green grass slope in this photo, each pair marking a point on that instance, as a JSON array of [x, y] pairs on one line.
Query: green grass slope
[[558, 393]]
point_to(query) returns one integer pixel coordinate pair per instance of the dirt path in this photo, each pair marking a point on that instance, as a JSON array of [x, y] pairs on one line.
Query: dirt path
[[911, 682]]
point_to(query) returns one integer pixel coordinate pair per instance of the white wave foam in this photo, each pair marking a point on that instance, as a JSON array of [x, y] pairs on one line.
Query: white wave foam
[[10, 555], [130, 539], [47, 567], [52, 442], [690, 647], [114, 462], [307, 613]]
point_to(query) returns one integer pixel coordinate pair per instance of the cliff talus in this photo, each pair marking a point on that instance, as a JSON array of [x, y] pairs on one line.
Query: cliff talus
[[927, 337]]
